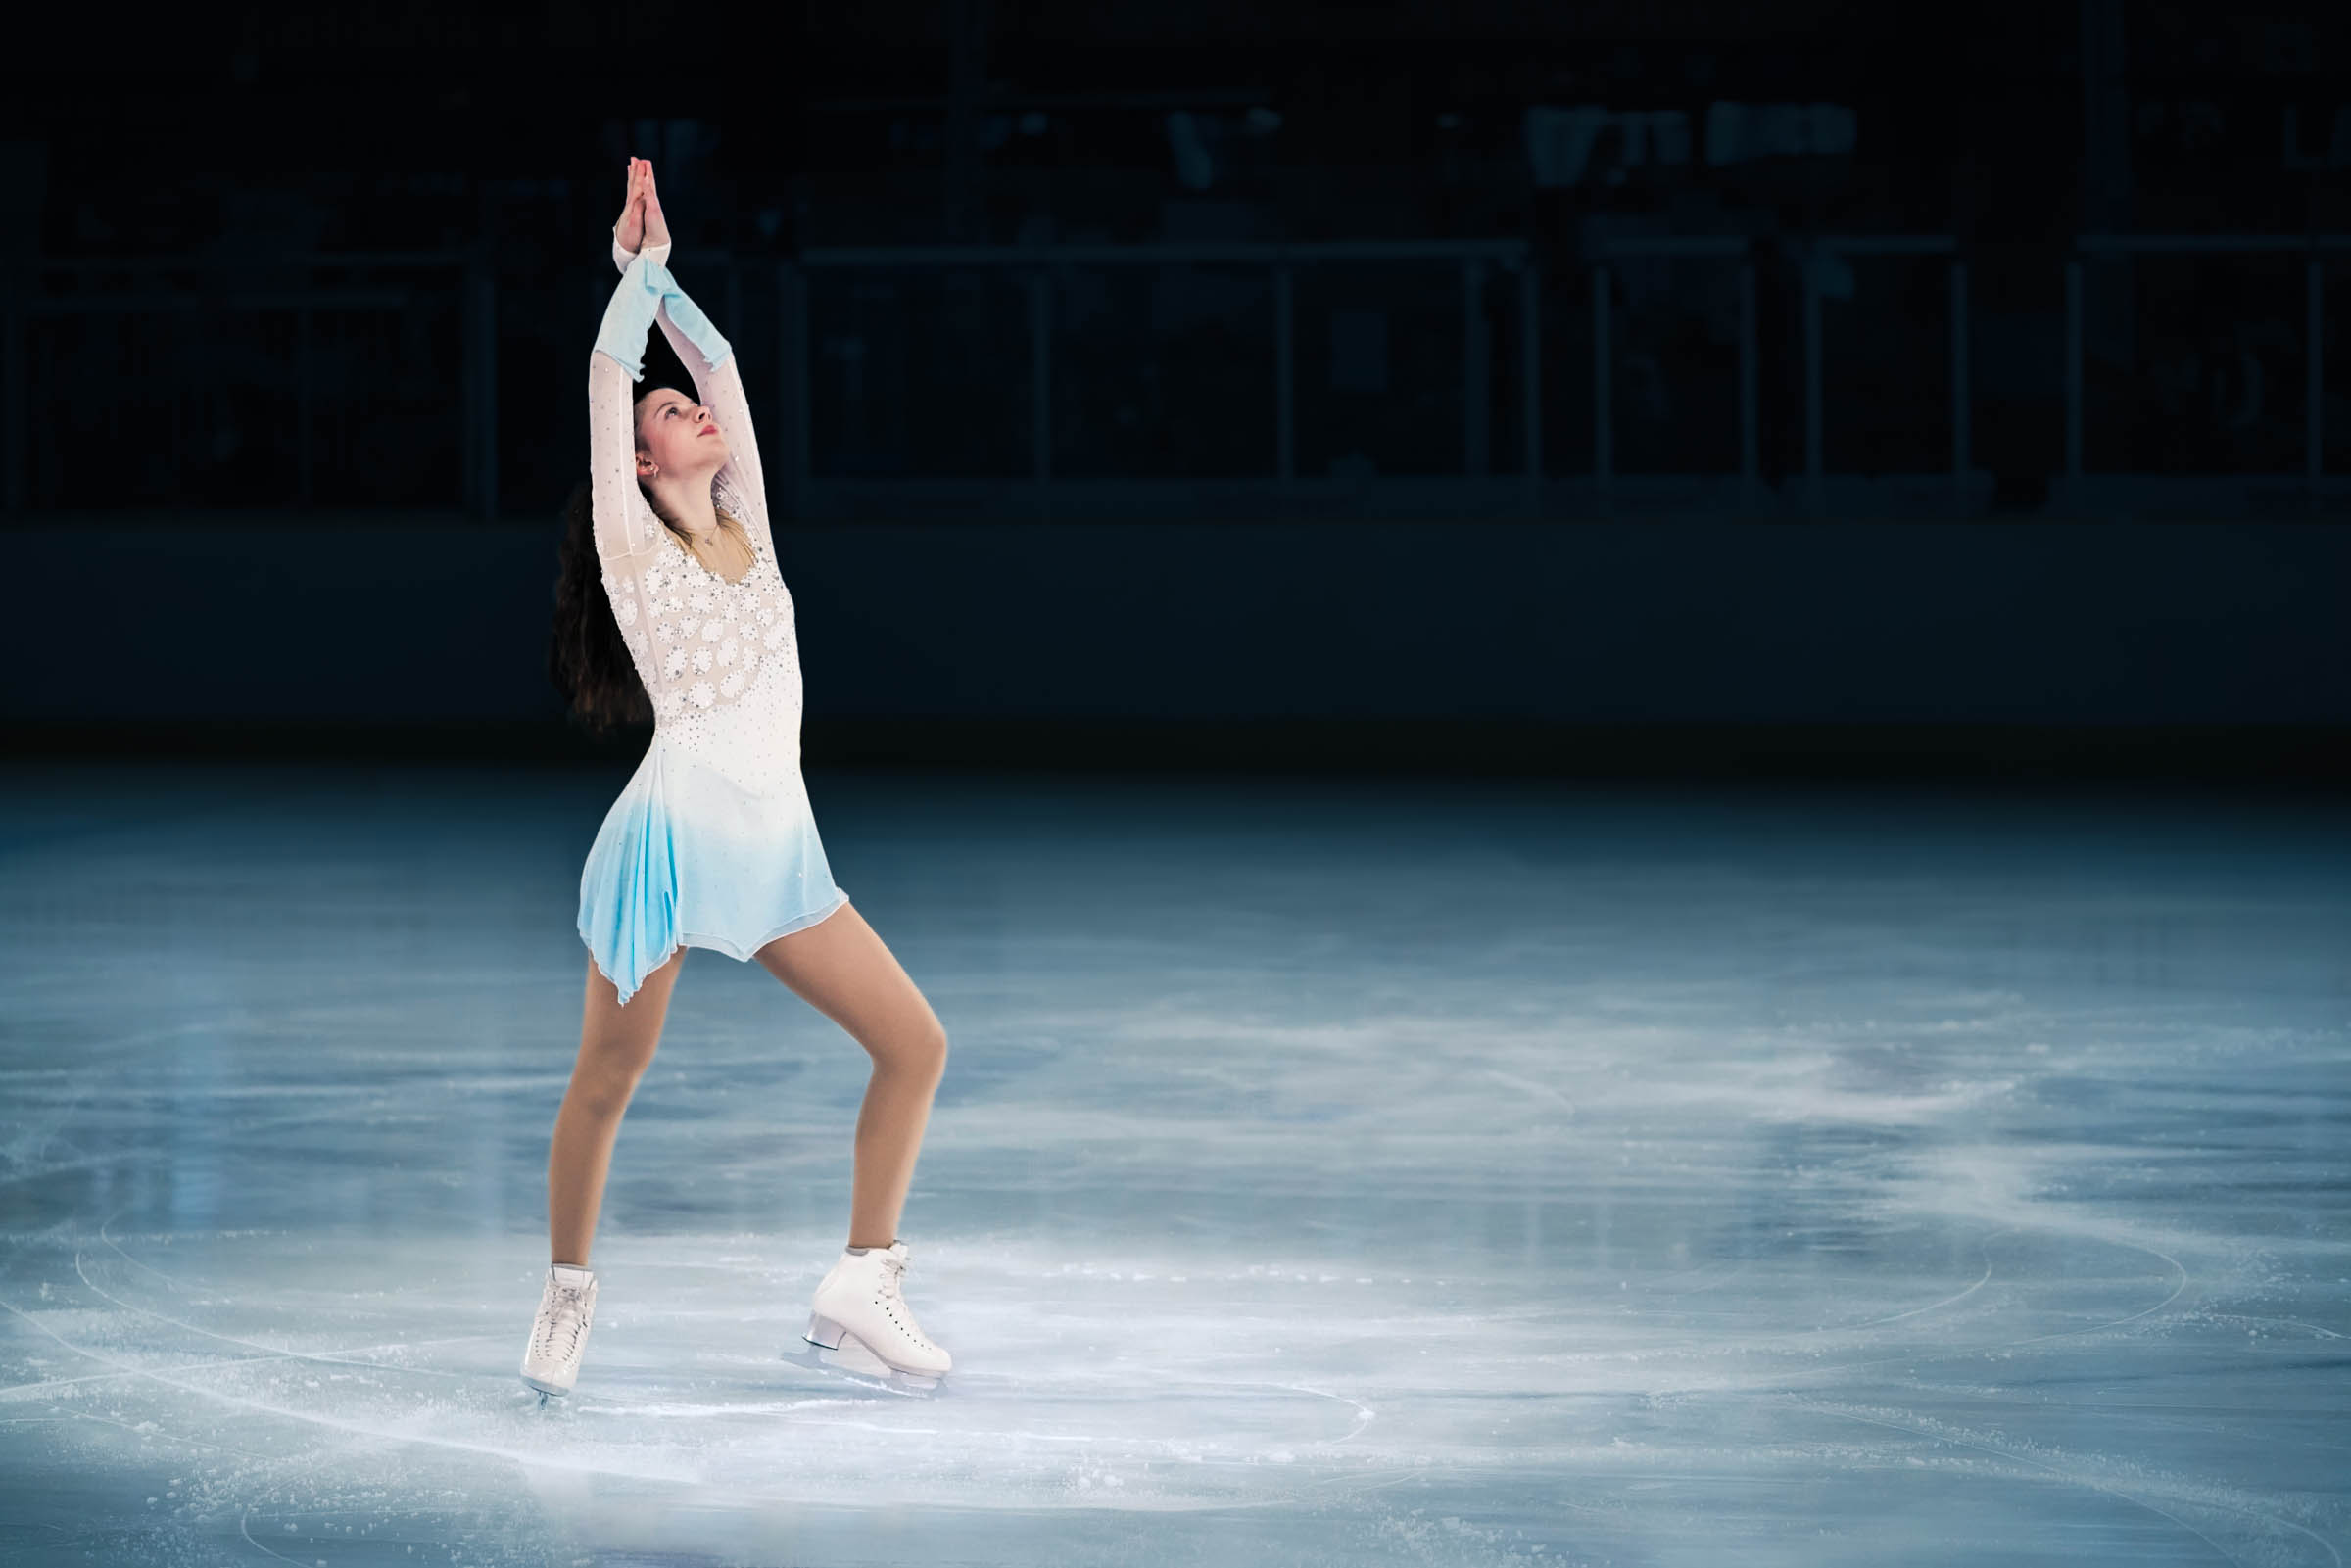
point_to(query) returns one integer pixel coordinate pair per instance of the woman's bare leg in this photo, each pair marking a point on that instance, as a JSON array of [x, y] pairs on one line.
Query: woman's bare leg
[[616, 1046], [843, 970]]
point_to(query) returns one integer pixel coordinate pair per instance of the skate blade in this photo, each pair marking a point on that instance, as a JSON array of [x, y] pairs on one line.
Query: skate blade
[[852, 1362], [547, 1391]]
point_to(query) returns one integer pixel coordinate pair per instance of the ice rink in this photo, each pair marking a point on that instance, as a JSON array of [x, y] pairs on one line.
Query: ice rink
[[1333, 1173]]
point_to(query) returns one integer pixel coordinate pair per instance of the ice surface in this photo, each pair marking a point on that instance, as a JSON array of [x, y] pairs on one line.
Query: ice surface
[[1326, 1173]]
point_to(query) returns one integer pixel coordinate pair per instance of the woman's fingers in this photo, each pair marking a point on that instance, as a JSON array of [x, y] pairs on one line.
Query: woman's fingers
[[630, 231], [641, 222]]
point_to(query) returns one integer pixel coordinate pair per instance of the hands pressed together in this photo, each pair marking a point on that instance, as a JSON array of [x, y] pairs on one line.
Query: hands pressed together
[[649, 292], [641, 221]]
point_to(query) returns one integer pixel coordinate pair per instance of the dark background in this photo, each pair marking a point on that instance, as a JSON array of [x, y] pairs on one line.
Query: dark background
[[1952, 387]]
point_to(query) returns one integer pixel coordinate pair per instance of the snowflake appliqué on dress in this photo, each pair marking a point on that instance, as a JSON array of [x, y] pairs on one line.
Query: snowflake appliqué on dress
[[720, 663]]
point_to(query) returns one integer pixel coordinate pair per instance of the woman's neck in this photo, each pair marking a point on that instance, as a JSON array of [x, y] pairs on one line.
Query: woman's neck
[[689, 508]]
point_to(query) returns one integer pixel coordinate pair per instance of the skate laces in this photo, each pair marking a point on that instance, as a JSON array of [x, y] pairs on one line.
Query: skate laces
[[565, 1317]]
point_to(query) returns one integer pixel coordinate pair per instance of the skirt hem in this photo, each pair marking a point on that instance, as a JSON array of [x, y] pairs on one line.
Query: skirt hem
[[715, 943], [742, 955]]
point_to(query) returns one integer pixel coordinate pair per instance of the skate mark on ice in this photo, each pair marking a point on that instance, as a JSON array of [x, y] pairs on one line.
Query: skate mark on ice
[[349, 1428], [2100, 1328], [1725, 1271], [277, 1356], [1365, 1413], [167, 1280], [2295, 1322], [2071, 1478], [1529, 1086], [273, 1351], [143, 1434], [1983, 1247]]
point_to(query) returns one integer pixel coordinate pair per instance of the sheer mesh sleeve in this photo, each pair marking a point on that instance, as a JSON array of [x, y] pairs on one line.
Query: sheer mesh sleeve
[[718, 385], [624, 523], [627, 533]]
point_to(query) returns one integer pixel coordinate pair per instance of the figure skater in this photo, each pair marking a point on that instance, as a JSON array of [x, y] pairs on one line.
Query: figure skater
[[669, 605]]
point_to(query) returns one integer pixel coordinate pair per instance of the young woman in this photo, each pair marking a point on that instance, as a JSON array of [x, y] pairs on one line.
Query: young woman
[[669, 604]]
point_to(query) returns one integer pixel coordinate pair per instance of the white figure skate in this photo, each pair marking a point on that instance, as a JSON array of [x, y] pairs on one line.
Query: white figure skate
[[862, 1325], [551, 1362]]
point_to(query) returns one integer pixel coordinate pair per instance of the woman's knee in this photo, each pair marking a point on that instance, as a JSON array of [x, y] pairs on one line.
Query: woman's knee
[[608, 1071], [924, 1052]]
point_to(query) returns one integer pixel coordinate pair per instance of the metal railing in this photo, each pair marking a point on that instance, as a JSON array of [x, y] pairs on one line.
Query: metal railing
[[2314, 247], [1840, 245], [1472, 257], [478, 354], [99, 290], [1037, 262]]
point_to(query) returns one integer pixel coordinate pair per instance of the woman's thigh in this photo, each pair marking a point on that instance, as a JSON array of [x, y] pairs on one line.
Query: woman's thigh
[[840, 966], [622, 1039]]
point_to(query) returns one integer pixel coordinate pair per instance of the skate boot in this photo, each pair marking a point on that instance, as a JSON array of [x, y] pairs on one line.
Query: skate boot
[[551, 1362], [865, 1325]]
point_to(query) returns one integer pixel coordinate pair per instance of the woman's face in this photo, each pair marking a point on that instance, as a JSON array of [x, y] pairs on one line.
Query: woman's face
[[675, 437]]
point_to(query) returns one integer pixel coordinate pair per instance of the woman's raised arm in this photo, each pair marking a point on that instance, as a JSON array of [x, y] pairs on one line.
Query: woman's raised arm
[[706, 355], [624, 522]]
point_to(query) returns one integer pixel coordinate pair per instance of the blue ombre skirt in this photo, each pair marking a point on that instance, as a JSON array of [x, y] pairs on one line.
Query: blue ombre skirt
[[689, 858]]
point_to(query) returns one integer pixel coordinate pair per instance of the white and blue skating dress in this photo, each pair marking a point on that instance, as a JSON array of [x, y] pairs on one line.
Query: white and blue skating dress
[[712, 842]]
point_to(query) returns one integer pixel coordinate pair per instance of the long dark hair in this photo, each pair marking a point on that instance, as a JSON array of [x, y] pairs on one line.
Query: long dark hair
[[586, 658]]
